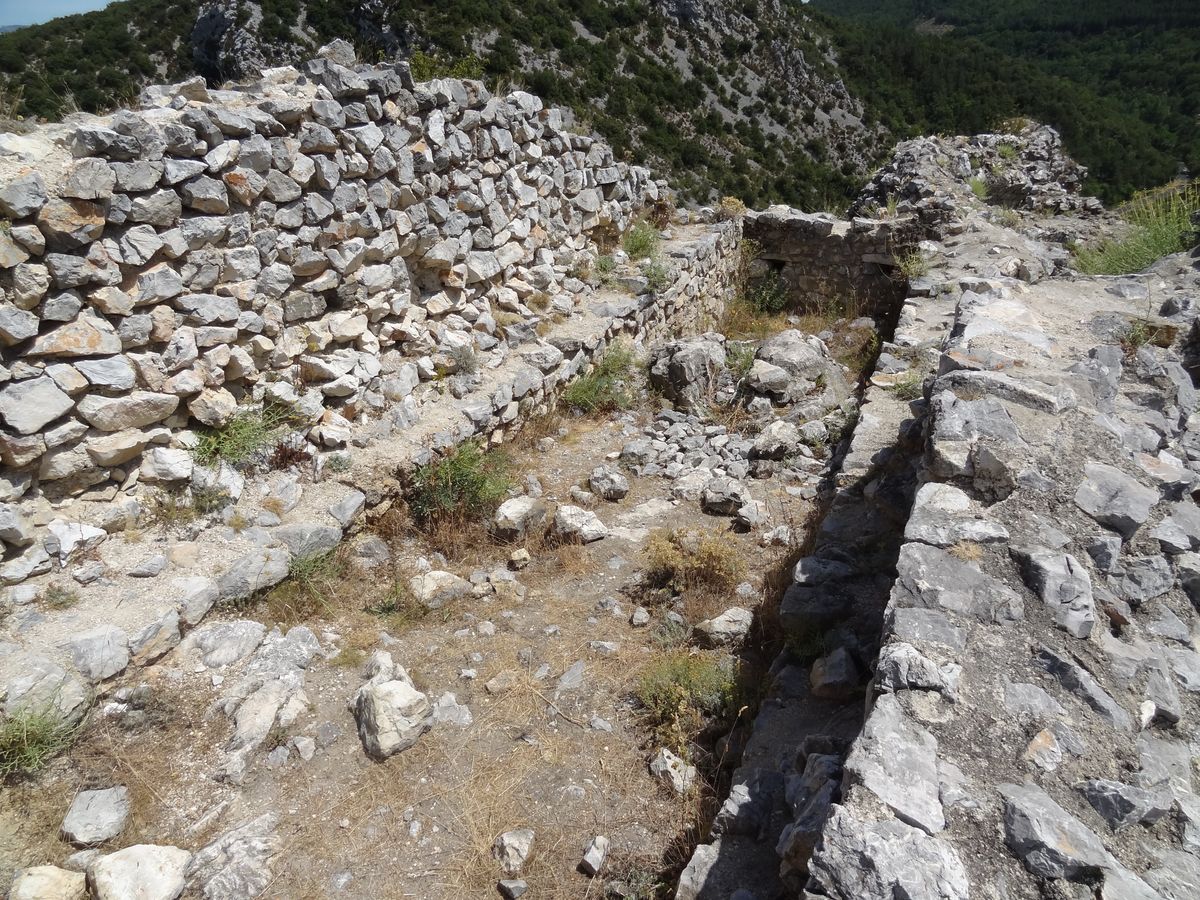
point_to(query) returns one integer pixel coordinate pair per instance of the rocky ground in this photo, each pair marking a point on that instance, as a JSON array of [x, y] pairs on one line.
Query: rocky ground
[[1024, 628], [288, 738]]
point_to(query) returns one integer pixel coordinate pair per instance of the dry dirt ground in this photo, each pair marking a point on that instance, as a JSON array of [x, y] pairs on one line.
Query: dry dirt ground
[[422, 823]]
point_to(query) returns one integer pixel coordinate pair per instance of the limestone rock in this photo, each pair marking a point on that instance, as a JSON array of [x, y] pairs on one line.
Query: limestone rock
[[224, 643], [931, 578], [512, 848], [28, 406], [135, 410], [96, 816], [608, 483], [86, 336], [1047, 839], [896, 759], [391, 717], [140, 872], [671, 770], [574, 523], [237, 863], [593, 857], [100, 652], [1123, 805], [519, 517], [435, 589], [729, 628], [48, 883], [1065, 588], [254, 572], [864, 860], [1114, 499]]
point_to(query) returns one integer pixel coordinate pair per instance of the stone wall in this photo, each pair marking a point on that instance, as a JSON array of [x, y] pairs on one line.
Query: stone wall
[[821, 259], [329, 237]]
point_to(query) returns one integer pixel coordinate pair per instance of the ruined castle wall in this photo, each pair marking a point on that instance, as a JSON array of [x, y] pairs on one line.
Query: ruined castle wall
[[821, 259], [329, 238]]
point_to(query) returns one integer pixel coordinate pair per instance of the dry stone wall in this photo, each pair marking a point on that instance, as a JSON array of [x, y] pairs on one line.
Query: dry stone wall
[[327, 238], [822, 259]]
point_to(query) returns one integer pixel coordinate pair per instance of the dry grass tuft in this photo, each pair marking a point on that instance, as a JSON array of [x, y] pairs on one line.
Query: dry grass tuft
[[704, 566], [967, 551]]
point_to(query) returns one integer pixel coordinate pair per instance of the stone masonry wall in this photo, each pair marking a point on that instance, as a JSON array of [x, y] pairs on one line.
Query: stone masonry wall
[[329, 238], [821, 258]]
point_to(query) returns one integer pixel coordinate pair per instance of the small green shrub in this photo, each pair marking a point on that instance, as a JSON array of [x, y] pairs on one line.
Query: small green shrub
[[1007, 152], [739, 359], [426, 66], [605, 266], [641, 240], [680, 690], [912, 264], [658, 275], [979, 188], [247, 432], [30, 738], [56, 596], [769, 295], [1160, 224], [465, 360], [608, 387], [398, 608], [466, 484], [730, 209], [1007, 217]]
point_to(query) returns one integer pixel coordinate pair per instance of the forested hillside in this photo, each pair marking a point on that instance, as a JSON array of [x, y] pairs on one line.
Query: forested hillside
[[770, 100], [1119, 79]]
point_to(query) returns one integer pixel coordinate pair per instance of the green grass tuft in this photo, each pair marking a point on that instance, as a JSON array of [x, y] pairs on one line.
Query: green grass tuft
[[641, 240], [246, 432], [608, 387], [467, 483], [1160, 224], [30, 738], [913, 264]]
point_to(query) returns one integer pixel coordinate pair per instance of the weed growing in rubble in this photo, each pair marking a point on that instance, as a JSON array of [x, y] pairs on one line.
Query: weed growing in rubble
[[730, 209], [608, 387], [55, 596], [910, 387], [739, 359], [248, 431], [1159, 225], [679, 690], [641, 240], [705, 566], [30, 738], [912, 264], [466, 484], [979, 188]]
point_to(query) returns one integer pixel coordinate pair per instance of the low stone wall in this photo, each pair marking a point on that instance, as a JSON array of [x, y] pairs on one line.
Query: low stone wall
[[329, 237], [822, 259]]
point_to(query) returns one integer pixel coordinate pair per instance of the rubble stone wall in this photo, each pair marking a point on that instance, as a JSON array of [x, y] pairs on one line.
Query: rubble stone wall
[[330, 237], [821, 258]]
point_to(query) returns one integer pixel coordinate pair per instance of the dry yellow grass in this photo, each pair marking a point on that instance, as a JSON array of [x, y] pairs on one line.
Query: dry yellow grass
[[967, 551]]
